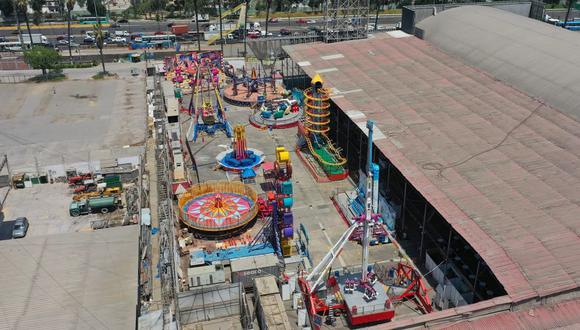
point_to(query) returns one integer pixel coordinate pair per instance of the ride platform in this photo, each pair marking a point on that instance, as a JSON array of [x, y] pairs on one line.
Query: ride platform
[[243, 100], [361, 311]]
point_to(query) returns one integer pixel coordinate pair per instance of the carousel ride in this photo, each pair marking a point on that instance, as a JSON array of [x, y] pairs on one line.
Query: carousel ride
[[246, 90], [314, 146], [239, 157], [278, 113], [218, 208]]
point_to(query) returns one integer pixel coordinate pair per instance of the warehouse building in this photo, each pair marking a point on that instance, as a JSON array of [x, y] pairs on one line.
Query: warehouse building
[[481, 157]]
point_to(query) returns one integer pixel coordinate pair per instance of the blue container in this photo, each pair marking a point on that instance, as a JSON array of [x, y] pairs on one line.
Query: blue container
[[288, 219], [287, 202]]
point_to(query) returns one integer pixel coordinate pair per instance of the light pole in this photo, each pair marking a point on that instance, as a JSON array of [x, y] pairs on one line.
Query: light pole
[[221, 26], [196, 25]]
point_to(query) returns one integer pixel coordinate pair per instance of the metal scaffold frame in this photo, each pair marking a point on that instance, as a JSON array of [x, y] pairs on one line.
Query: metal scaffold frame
[[166, 214], [345, 20]]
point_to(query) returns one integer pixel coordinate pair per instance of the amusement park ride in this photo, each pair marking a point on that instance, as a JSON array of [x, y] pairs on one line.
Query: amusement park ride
[[202, 74], [320, 153], [247, 90], [240, 158], [360, 295]]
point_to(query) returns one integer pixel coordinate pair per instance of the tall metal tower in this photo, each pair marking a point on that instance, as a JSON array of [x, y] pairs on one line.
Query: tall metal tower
[[345, 19]]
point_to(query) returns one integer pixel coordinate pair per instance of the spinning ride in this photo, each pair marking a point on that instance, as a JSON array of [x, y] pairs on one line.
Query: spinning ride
[[360, 294], [278, 113], [247, 90], [240, 157], [218, 207], [182, 69], [314, 145]]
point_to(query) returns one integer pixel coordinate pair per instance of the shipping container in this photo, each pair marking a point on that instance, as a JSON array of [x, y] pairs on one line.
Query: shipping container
[[244, 270]]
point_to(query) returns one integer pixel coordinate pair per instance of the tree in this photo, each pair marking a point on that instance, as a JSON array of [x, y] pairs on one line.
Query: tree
[[268, 5], [37, 8], [100, 39], [40, 57], [6, 7], [22, 7], [100, 8], [70, 5]]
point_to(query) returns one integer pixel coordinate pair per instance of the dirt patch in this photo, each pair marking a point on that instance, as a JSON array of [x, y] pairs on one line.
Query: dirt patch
[[82, 97]]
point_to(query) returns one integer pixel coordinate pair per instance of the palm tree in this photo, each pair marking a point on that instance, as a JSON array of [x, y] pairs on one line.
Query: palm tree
[[100, 39], [22, 5], [268, 4], [37, 8], [70, 5]]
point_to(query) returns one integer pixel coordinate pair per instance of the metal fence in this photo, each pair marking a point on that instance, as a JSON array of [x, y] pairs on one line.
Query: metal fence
[[15, 78]]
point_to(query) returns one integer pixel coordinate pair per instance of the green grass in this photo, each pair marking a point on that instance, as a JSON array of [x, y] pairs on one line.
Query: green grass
[[51, 76], [102, 75], [82, 65]]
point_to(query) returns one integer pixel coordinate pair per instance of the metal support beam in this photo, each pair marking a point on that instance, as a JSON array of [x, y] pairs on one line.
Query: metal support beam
[[403, 209], [423, 231]]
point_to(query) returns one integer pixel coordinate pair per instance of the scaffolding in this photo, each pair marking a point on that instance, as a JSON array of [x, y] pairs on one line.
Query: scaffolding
[[345, 20], [166, 214]]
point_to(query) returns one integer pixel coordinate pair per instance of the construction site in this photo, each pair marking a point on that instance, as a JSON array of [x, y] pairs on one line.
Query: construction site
[[423, 177]]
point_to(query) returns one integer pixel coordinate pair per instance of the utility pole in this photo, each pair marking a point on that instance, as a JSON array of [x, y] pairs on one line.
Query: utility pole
[[246, 28], [18, 24], [377, 15], [567, 13], [196, 25], [221, 26], [268, 4]]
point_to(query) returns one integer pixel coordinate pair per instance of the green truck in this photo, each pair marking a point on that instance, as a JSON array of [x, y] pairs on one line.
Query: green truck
[[94, 205]]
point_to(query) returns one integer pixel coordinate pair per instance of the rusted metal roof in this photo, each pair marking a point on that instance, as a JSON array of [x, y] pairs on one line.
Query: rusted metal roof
[[559, 316], [499, 165]]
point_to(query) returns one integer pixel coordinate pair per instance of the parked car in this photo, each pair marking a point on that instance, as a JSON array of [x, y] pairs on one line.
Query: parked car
[[285, 32], [123, 21], [64, 42], [119, 40], [20, 227], [254, 34], [88, 40]]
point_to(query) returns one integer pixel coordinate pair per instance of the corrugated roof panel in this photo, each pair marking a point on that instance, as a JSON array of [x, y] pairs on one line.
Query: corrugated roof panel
[[497, 164]]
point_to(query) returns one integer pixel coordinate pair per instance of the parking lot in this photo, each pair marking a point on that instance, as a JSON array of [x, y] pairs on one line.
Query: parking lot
[[46, 207]]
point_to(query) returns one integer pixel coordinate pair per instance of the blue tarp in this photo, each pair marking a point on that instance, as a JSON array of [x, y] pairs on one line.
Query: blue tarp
[[234, 253]]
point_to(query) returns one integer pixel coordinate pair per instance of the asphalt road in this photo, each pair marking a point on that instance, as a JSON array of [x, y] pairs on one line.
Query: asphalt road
[[152, 26]]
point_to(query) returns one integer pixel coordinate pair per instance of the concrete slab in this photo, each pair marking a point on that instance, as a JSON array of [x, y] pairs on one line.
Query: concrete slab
[[62, 123]]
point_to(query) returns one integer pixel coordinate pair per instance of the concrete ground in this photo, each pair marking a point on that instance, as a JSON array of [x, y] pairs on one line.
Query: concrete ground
[[312, 204], [46, 207], [62, 123]]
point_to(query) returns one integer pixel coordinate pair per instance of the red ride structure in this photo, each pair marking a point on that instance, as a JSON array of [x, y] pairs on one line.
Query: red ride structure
[[360, 295]]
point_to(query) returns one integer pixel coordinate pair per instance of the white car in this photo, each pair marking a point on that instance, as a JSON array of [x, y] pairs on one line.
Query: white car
[[119, 40], [311, 21]]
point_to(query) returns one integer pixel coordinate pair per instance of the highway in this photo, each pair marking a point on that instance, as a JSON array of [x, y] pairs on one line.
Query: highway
[[152, 26]]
